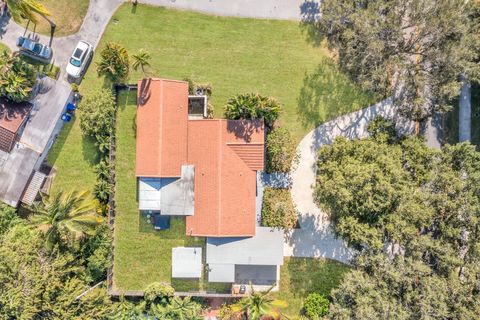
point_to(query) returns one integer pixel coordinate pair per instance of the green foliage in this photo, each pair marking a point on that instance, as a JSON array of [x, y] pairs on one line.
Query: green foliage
[[26, 9], [17, 78], [253, 106], [381, 128], [414, 214], [259, 304], [141, 60], [281, 151], [278, 210], [8, 218], [115, 63], [158, 292], [66, 216], [36, 283], [177, 308], [315, 305], [103, 188], [413, 51], [96, 117], [96, 251]]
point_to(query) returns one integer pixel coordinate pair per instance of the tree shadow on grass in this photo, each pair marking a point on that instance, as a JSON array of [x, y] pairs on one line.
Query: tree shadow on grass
[[327, 93], [90, 151]]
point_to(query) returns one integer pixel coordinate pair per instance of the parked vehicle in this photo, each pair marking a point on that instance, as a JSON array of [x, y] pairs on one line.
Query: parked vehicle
[[79, 60], [34, 49]]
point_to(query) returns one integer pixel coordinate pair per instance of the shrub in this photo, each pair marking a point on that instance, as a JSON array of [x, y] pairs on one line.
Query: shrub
[[96, 115], [281, 151], [278, 210], [315, 306], [17, 78], [103, 187], [114, 63], [253, 106], [158, 292]]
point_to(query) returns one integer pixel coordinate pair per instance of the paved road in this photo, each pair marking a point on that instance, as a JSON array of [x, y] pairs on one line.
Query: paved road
[[268, 9], [97, 18], [465, 112], [315, 238]]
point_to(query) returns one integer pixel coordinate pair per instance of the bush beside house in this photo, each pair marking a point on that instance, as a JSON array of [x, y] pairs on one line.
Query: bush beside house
[[281, 151], [278, 210], [253, 106]]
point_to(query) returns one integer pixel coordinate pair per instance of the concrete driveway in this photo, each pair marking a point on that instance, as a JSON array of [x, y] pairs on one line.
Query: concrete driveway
[[315, 237]]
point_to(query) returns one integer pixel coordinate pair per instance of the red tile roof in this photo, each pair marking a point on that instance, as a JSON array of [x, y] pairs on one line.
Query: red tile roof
[[12, 114], [225, 154], [162, 116]]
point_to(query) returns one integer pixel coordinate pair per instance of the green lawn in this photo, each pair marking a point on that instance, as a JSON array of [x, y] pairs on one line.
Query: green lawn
[[236, 55], [66, 14], [301, 276]]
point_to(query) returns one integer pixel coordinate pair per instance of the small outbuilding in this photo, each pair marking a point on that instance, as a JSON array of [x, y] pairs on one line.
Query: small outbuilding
[[186, 262]]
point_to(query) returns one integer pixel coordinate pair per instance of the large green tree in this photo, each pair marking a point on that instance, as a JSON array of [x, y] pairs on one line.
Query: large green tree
[[114, 63], [413, 50], [413, 213]]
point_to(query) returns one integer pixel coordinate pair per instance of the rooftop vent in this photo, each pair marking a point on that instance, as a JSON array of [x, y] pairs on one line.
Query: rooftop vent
[[197, 107]]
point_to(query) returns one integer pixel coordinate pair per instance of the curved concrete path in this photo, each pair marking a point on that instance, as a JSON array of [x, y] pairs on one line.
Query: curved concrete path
[[95, 22], [315, 237]]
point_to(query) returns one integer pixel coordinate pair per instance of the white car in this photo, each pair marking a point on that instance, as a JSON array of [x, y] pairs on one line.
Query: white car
[[79, 59]]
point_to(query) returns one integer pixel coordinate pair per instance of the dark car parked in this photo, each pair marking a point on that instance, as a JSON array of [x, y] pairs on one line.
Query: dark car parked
[[34, 49]]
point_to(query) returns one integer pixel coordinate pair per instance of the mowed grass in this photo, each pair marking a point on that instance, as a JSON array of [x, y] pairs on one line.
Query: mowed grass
[[235, 55], [68, 16], [140, 257], [302, 276]]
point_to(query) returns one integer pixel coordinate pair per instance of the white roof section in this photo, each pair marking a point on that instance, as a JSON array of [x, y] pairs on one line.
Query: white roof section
[[33, 188], [265, 248], [170, 196], [221, 272], [186, 262]]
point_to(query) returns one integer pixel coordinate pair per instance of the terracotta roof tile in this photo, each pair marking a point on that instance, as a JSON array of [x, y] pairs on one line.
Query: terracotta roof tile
[[225, 154], [12, 114]]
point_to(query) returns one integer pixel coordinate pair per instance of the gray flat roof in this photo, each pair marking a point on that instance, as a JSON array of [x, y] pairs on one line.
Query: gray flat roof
[[186, 262], [265, 248], [221, 272], [170, 196]]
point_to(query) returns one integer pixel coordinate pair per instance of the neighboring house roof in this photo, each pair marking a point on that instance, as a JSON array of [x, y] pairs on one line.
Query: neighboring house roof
[[12, 114], [225, 154], [265, 248], [162, 116], [187, 262], [228, 258]]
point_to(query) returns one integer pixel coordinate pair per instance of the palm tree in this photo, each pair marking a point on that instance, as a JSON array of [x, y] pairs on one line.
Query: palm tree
[[141, 59], [73, 213], [259, 304], [26, 9], [177, 308]]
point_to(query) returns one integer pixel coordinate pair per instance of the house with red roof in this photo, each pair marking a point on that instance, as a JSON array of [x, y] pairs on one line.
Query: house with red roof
[[205, 170]]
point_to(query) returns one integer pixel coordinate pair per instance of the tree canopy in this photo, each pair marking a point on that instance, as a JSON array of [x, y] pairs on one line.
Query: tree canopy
[[412, 50], [413, 213]]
